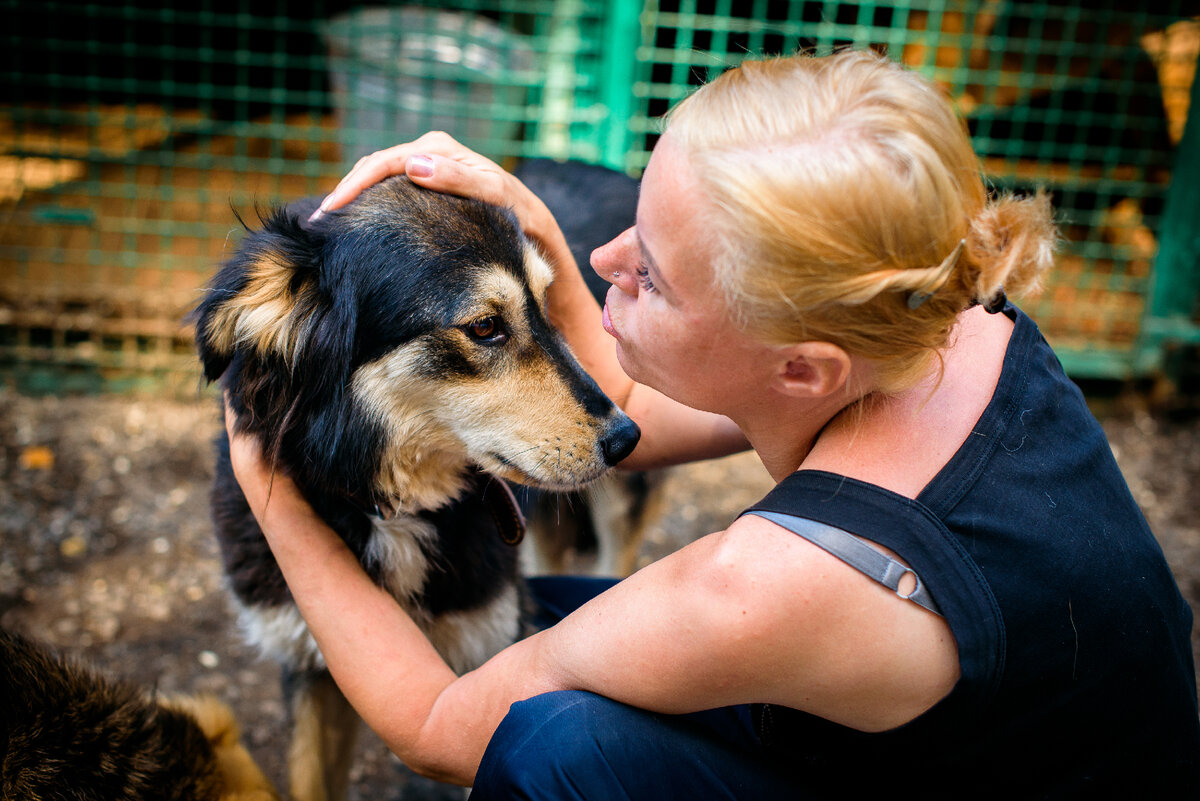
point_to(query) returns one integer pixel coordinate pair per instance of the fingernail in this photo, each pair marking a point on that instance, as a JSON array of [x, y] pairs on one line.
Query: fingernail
[[320, 212], [420, 166]]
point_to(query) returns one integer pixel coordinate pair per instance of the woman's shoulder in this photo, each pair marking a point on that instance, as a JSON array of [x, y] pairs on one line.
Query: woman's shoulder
[[878, 659]]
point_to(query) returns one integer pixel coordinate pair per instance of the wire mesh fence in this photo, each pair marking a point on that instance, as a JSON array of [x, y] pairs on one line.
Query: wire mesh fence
[[130, 132]]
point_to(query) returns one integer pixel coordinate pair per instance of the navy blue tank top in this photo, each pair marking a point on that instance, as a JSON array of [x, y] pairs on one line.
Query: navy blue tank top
[[1074, 641]]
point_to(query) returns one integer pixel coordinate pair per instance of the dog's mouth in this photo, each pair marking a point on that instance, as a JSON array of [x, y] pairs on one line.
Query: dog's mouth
[[507, 469]]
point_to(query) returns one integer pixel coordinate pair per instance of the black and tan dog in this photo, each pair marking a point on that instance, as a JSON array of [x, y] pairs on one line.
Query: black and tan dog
[[397, 363], [70, 732]]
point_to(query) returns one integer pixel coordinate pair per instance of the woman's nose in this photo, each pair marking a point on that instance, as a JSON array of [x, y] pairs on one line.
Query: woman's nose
[[616, 262]]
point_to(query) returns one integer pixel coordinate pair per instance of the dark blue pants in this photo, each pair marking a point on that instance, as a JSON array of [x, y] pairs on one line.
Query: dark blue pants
[[577, 745]]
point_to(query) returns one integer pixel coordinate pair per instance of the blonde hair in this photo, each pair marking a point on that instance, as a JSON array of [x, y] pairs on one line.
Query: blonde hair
[[840, 189]]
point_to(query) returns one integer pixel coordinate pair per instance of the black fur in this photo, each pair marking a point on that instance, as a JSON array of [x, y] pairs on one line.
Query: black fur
[[592, 205]]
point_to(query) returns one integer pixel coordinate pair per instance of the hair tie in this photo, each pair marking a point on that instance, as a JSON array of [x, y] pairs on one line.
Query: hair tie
[[993, 306], [942, 271]]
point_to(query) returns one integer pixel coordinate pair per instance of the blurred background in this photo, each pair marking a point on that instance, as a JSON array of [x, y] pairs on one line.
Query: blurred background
[[131, 131]]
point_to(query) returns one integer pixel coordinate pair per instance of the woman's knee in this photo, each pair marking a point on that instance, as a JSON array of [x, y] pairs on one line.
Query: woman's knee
[[553, 746]]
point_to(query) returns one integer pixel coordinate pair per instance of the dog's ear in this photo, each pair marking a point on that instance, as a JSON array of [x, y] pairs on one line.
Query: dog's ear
[[264, 299]]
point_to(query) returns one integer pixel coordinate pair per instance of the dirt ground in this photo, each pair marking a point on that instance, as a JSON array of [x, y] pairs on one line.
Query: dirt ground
[[106, 549]]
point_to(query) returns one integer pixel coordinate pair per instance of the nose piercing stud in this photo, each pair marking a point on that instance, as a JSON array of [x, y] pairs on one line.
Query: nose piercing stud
[[616, 274]]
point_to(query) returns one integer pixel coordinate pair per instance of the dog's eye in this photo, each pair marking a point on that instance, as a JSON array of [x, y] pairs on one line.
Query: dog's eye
[[488, 331]]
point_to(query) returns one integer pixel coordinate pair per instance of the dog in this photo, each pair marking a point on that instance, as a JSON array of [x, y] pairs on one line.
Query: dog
[[396, 361], [68, 731]]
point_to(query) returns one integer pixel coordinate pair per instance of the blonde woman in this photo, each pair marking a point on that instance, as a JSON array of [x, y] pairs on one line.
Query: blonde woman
[[949, 592]]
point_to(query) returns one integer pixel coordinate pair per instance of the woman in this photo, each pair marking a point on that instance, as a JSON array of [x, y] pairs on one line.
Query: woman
[[816, 271]]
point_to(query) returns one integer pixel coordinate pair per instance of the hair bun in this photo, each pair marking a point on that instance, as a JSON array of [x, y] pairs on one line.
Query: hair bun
[[1011, 245]]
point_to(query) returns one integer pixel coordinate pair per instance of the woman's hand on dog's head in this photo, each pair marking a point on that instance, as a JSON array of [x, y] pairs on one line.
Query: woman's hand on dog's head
[[438, 162]]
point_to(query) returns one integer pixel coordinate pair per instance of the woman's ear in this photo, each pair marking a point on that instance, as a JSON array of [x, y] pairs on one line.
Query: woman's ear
[[813, 369]]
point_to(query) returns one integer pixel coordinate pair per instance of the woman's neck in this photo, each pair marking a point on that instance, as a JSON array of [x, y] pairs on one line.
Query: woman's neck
[[784, 437], [901, 441], [898, 440]]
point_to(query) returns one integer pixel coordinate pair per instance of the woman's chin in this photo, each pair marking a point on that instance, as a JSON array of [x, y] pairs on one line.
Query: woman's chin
[[628, 364]]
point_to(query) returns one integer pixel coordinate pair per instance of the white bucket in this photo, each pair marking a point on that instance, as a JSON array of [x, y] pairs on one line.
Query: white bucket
[[399, 72]]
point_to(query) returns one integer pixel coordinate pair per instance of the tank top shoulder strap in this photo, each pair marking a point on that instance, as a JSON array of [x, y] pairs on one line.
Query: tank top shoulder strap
[[947, 577], [855, 552]]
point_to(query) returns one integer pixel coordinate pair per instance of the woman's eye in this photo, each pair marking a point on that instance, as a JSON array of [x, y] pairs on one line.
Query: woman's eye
[[643, 275], [489, 331]]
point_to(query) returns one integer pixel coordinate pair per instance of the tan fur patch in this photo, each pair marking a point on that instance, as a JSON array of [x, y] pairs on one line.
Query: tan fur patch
[[322, 743], [266, 314], [525, 416], [497, 292], [241, 777], [422, 459], [538, 273]]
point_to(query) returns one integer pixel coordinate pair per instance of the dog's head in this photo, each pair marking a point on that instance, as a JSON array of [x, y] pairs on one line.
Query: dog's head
[[403, 337]]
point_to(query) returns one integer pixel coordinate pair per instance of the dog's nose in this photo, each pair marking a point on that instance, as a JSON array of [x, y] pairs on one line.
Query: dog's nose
[[620, 440]]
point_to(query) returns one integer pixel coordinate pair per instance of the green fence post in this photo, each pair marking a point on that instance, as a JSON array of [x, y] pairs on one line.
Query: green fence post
[[559, 100], [616, 84], [1175, 284]]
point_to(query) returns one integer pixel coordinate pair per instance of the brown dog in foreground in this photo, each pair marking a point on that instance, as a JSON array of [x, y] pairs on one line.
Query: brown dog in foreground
[[69, 732]]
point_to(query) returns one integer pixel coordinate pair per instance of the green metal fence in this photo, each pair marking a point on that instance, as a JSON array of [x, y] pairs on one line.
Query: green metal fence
[[129, 129]]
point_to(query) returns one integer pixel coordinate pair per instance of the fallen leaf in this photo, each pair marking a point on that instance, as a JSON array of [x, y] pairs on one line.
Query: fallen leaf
[[36, 457]]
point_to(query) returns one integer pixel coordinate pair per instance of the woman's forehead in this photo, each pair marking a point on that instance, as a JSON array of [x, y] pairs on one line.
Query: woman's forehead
[[670, 200], [667, 161]]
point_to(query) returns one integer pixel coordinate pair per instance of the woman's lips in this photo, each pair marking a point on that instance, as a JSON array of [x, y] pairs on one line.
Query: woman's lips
[[606, 321]]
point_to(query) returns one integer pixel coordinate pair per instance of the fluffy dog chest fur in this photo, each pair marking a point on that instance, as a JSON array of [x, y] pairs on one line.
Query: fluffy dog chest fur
[[400, 554]]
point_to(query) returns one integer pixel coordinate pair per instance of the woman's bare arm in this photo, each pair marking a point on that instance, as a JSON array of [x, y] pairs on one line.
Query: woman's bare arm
[[750, 614]]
